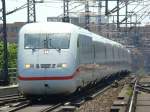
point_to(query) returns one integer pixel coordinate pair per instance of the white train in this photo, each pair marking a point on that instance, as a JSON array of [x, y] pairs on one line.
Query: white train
[[59, 58]]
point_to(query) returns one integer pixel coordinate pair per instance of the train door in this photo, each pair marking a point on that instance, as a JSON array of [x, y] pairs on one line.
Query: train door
[[86, 58], [95, 69], [31, 57], [44, 61], [99, 59], [94, 75], [56, 52]]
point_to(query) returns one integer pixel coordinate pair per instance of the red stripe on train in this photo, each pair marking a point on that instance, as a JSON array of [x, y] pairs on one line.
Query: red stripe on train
[[49, 78]]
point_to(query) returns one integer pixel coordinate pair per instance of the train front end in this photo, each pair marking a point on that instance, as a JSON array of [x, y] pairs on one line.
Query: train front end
[[45, 60]]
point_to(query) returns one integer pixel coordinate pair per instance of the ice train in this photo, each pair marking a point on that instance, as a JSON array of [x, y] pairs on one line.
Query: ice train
[[59, 58]]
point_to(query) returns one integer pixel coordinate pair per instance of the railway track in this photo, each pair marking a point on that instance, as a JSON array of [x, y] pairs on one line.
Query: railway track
[[27, 107], [133, 97], [13, 107], [68, 103], [140, 100], [10, 99], [74, 101], [103, 101]]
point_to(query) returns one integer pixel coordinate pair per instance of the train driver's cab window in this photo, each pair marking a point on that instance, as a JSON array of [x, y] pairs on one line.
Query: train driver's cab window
[[58, 41], [33, 41], [48, 41]]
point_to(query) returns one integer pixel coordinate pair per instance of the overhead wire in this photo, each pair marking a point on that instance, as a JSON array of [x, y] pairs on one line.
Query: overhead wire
[[82, 1], [129, 15], [144, 15], [133, 10], [17, 9]]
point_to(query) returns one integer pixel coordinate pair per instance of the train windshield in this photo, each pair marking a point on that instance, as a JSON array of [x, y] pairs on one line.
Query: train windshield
[[48, 41]]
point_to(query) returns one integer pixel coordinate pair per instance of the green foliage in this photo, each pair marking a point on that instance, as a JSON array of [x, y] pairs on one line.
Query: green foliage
[[129, 91], [12, 55], [1, 54]]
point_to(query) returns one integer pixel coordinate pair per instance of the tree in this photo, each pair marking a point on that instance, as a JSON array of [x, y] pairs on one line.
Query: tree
[[12, 55], [1, 54]]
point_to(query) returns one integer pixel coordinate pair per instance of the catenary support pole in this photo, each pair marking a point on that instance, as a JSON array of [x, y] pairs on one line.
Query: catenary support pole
[[87, 16], [66, 11], [31, 13], [5, 54]]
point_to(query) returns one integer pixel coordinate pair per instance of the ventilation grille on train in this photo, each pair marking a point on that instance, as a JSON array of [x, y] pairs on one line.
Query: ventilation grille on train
[[46, 66]]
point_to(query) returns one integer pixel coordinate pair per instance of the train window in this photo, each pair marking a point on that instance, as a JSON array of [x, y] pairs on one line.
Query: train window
[[33, 41], [49, 41], [85, 48], [58, 41], [99, 52]]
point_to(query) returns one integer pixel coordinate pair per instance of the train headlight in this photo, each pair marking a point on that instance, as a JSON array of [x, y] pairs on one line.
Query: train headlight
[[64, 65], [27, 66]]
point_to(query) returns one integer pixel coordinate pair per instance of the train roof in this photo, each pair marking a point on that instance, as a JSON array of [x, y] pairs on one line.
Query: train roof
[[60, 27], [48, 27], [106, 41]]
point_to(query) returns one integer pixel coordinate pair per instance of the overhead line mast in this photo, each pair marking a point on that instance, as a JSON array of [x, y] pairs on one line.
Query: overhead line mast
[[66, 11], [118, 24], [99, 15], [31, 13], [87, 16], [5, 53]]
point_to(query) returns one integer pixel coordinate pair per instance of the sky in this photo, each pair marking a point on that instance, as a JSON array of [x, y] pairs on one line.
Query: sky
[[43, 10]]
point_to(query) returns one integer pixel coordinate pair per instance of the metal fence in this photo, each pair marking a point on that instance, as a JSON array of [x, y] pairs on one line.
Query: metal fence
[[12, 73]]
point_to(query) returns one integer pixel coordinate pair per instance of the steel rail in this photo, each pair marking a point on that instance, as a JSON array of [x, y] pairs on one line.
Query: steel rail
[[51, 107], [23, 105], [92, 93], [9, 96], [11, 99], [140, 88], [101, 91], [133, 98]]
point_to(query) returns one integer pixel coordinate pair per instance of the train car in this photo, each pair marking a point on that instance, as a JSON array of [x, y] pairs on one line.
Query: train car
[[59, 58]]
